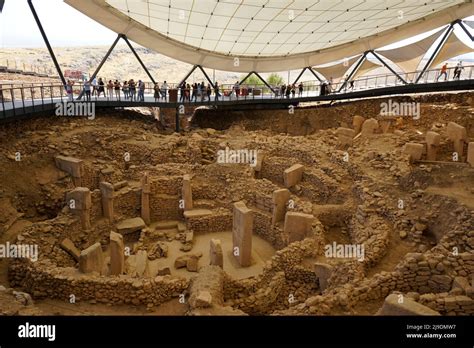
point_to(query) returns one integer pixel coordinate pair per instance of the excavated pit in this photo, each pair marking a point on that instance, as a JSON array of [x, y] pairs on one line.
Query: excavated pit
[[175, 208]]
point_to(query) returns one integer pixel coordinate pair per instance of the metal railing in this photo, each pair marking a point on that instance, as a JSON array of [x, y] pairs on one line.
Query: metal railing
[[24, 98]]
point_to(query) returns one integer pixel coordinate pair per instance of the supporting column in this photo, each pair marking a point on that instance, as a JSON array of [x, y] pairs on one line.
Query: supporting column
[[187, 192], [46, 41], [107, 192], [280, 199], [260, 78], [91, 259], [470, 154], [299, 76], [436, 51], [216, 255], [388, 67], [145, 206], [138, 58], [242, 231], [79, 202], [458, 135], [432, 143], [356, 68], [297, 226], [461, 24], [177, 120], [117, 254], [101, 63]]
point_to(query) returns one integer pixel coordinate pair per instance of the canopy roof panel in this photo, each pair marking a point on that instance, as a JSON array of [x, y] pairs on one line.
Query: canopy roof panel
[[264, 34]]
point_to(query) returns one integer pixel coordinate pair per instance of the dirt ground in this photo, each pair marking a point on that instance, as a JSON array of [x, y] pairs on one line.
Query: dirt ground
[[31, 189]]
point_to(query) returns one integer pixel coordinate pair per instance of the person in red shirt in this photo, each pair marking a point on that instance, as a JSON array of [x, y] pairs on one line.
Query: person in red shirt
[[444, 71]]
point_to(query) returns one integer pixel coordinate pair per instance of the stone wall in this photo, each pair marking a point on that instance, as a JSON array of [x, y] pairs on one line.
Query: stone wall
[[220, 220], [44, 281]]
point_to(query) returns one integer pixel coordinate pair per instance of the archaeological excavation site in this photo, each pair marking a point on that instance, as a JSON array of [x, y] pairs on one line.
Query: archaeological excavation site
[[326, 210]]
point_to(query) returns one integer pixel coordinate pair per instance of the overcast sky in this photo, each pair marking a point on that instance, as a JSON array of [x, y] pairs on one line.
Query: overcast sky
[[67, 27]]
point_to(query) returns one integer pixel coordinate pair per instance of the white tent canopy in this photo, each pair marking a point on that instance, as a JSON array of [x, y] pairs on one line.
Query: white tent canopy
[[336, 71], [409, 57], [453, 47], [365, 67], [266, 35]]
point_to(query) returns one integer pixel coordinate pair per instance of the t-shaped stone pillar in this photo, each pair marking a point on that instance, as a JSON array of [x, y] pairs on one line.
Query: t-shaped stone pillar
[[345, 136], [187, 192], [293, 175], [323, 272], [91, 259], [297, 225], [458, 135], [280, 199], [107, 192], [117, 254], [357, 123], [369, 127], [432, 143], [470, 154], [414, 151], [145, 210], [79, 202], [216, 255], [242, 231]]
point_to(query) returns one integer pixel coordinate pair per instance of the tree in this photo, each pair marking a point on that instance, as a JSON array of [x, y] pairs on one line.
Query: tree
[[273, 80]]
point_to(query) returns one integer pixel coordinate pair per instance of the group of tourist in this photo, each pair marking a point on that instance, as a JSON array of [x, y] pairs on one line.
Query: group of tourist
[[287, 90], [132, 90], [197, 90], [457, 71]]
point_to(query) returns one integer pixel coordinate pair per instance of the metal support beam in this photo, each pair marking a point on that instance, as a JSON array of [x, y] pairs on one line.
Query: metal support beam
[[46, 41], [461, 24], [177, 119], [356, 68], [314, 73], [388, 67], [265, 82], [299, 76], [187, 75], [246, 77], [123, 36], [101, 64], [259, 77], [206, 76], [436, 51], [204, 73]]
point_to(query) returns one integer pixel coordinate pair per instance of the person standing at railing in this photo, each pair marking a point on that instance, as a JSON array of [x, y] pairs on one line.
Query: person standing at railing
[[283, 89], [117, 89], [101, 88], [444, 71], [194, 95], [110, 90], [209, 92], [94, 86], [329, 87], [164, 88], [69, 90], [133, 89], [87, 90], [237, 90], [200, 90], [216, 92], [157, 93], [300, 90], [125, 90], [288, 91], [293, 90], [141, 90], [182, 90], [457, 71], [188, 92]]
